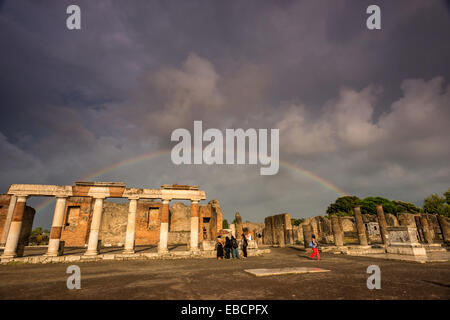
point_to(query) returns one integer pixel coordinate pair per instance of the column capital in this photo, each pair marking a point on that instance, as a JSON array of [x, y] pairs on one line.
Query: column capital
[[22, 198], [133, 198], [194, 201], [99, 197], [166, 201]]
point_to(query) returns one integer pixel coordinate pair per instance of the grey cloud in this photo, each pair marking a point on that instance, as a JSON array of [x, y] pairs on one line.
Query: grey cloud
[[366, 111]]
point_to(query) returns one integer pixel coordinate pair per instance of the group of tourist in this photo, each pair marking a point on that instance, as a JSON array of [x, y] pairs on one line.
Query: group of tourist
[[231, 247]]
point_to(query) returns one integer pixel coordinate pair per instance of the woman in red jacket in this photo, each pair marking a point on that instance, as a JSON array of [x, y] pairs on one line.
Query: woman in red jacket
[[315, 247]]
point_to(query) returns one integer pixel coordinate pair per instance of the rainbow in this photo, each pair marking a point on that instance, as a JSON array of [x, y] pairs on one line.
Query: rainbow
[[155, 154]]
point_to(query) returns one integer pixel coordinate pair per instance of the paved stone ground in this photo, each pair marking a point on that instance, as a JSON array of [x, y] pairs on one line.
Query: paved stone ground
[[212, 279]]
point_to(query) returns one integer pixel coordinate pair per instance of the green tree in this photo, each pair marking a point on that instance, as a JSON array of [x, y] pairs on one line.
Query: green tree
[[447, 196], [343, 206], [368, 205], [225, 224], [297, 222], [409, 207], [37, 231], [434, 204]]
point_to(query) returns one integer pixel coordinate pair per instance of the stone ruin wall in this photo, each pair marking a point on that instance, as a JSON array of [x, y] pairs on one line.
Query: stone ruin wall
[[321, 228], [115, 216], [278, 230]]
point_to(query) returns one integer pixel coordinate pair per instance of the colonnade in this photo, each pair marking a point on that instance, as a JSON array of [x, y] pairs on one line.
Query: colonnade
[[18, 202], [338, 233]]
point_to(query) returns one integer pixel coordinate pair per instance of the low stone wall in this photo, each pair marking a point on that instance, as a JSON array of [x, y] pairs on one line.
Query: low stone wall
[[120, 256]]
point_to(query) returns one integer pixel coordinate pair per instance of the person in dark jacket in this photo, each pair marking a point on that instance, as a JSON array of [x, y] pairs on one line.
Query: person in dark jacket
[[244, 245], [219, 248], [228, 248], [315, 247], [234, 248]]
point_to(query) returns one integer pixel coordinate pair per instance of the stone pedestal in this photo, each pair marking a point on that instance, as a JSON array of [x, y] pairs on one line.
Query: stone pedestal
[[404, 241]]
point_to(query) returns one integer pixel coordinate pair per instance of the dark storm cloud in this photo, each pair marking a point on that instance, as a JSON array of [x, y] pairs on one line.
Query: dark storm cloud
[[366, 110]]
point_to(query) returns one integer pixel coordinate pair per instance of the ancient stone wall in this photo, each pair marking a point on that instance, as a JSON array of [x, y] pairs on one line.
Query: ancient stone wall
[[253, 228], [179, 217], [114, 223], [77, 221], [298, 233], [406, 219], [391, 220], [148, 220], [268, 230], [278, 229], [210, 218]]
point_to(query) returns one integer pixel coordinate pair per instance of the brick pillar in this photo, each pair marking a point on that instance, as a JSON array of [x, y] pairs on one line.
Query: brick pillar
[[57, 224], [194, 226], [443, 223], [92, 249], [164, 230], [15, 227], [426, 229], [360, 226], [131, 226], [382, 224], [307, 232], [12, 204], [337, 231]]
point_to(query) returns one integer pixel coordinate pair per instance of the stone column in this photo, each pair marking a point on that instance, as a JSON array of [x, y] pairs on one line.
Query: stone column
[[444, 228], [337, 231], [382, 224], [194, 225], [164, 230], [12, 204], [14, 229], [57, 224], [96, 223], [307, 232], [360, 226], [131, 226], [426, 229], [239, 229]]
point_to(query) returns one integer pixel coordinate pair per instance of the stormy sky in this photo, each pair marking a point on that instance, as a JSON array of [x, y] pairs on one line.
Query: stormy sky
[[362, 111]]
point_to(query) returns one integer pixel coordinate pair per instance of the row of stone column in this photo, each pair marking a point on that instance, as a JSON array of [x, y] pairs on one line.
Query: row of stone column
[[339, 233], [10, 250]]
